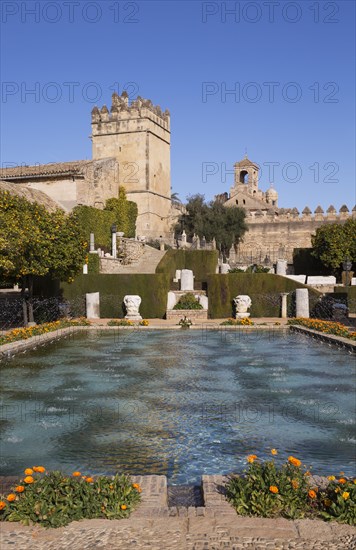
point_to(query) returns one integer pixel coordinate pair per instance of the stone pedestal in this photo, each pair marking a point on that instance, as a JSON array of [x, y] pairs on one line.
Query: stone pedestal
[[302, 302], [284, 304], [113, 245], [93, 305], [171, 300], [187, 280], [204, 301], [281, 268], [91, 243], [132, 303], [85, 269], [224, 268], [242, 304]]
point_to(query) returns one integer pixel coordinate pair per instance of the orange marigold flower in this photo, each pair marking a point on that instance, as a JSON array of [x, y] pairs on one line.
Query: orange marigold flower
[[294, 461], [41, 469], [123, 506], [342, 480], [274, 452], [273, 489], [19, 489], [136, 486], [295, 484], [331, 478], [251, 458], [29, 479], [312, 494], [76, 474], [345, 495], [2, 504], [11, 497], [307, 473], [28, 472], [89, 480]]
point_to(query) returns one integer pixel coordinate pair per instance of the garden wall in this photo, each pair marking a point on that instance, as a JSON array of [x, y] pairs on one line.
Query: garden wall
[[201, 262]]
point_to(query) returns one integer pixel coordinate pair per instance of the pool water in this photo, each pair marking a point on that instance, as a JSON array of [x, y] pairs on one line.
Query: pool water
[[178, 403]]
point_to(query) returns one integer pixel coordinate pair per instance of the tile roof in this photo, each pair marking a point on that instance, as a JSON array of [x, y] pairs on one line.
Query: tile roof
[[39, 170]]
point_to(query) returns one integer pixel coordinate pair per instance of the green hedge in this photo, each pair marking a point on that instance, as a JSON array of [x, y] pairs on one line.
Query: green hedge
[[345, 294], [93, 264], [201, 262], [263, 288], [152, 288]]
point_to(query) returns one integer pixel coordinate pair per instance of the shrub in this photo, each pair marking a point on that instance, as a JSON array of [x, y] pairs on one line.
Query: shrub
[[54, 499], [188, 301], [246, 322], [27, 332], [120, 323], [266, 490], [326, 327]]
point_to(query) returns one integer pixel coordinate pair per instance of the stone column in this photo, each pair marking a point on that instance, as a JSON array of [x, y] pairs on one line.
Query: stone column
[[281, 268], [93, 305], [91, 243], [113, 245], [284, 304], [302, 302]]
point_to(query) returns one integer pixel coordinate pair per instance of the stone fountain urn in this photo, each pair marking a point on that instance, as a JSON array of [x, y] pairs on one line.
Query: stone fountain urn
[[242, 304]]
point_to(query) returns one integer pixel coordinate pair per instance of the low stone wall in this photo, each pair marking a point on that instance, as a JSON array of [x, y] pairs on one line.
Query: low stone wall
[[192, 314], [329, 338]]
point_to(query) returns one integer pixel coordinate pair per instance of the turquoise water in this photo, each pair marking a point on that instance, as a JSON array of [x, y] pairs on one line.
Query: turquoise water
[[179, 403]]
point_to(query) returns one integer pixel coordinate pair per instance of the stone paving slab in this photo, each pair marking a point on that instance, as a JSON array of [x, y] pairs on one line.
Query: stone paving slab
[[155, 526]]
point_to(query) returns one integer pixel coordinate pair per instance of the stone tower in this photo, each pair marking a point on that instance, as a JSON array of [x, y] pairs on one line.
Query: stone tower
[[245, 192], [137, 135]]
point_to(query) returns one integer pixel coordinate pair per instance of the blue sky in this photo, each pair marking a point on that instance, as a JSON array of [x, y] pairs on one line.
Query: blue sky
[[291, 65]]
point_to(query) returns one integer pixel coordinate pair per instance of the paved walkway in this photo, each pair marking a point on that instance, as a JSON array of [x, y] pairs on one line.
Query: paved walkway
[[155, 526]]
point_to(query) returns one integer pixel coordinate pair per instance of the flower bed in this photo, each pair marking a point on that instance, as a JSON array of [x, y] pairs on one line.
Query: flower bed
[[266, 490], [246, 322], [127, 323], [326, 327], [53, 499], [27, 332]]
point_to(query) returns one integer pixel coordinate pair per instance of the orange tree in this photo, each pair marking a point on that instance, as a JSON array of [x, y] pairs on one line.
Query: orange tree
[[35, 242], [333, 243]]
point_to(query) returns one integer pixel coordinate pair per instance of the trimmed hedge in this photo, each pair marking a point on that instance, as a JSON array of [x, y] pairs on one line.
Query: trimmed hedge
[[263, 288], [346, 294], [201, 262], [152, 288], [93, 263]]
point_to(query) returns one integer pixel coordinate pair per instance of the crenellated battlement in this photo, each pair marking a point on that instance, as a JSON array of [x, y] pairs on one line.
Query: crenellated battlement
[[123, 111], [275, 215]]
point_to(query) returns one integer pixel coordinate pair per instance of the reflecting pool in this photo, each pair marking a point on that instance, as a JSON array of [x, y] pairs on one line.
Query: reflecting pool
[[179, 403]]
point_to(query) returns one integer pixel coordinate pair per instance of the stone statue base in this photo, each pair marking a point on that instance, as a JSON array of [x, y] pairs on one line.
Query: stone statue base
[[242, 315], [133, 317]]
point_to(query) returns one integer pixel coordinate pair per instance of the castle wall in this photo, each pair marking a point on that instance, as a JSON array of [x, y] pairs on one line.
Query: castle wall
[[62, 191], [278, 239]]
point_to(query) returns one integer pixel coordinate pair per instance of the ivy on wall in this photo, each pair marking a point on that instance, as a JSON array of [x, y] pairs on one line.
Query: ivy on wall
[[118, 211]]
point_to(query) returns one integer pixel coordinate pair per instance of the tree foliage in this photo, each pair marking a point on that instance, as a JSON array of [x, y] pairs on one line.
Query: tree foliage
[[213, 220], [35, 242], [333, 243]]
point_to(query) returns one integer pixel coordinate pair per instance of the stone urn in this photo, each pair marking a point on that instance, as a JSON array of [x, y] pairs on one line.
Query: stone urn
[[132, 304], [242, 304]]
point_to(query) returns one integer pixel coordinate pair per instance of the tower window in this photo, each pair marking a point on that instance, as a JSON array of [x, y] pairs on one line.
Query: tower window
[[243, 176], [237, 202], [244, 202]]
